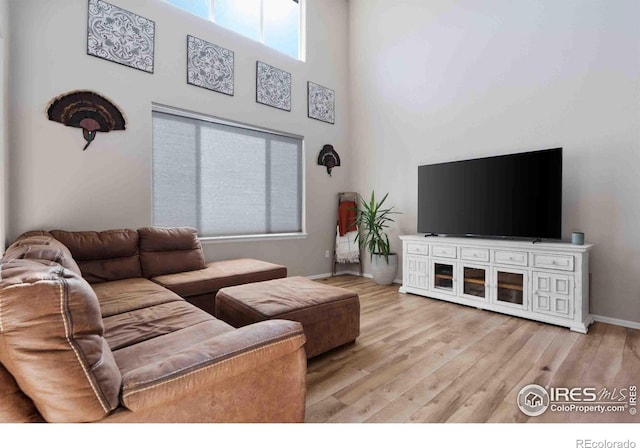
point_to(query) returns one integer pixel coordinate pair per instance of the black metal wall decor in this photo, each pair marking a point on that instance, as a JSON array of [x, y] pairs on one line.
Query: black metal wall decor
[[328, 157], [87, 110]]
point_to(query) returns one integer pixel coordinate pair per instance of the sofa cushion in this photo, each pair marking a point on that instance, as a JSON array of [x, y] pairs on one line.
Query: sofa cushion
[[41, 247], [167, 250], [122, 296], [126, 329], [15, 406], [103, 256], [199, 364], [154, 350], [220, 274], [51, 334]]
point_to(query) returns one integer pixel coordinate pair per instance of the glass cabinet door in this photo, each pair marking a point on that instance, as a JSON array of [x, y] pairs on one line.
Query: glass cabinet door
[[474, 282], [509, 287], [443, 279]]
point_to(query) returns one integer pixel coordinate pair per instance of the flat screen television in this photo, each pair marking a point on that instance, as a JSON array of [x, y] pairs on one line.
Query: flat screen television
[[515, 195]]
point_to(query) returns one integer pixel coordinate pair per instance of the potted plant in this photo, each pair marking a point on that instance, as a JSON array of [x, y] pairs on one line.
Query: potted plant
[[372, 220]]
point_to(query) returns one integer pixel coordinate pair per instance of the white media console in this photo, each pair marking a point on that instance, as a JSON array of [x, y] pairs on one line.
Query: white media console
[[547, 282]]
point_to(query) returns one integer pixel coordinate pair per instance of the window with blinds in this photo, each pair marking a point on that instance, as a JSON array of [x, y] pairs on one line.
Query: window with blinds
[[225, 180]]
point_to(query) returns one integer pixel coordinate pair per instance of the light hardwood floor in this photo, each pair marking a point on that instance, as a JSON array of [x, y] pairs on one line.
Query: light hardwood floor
[[425, 360]]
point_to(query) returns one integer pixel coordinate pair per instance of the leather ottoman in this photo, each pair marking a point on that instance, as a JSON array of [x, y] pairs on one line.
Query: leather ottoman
[[330, 315]]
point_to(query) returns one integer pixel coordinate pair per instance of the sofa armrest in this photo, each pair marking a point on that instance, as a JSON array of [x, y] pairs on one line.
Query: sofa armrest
[[208, 362]]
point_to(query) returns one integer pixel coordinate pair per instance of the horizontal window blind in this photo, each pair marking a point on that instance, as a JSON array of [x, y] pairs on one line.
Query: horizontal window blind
[[225, 180]]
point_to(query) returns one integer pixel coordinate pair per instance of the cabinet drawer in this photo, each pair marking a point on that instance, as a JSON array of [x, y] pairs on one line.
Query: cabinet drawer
[[474, 254], [510, 257], [443, 251], [552, 261], [418, 248]]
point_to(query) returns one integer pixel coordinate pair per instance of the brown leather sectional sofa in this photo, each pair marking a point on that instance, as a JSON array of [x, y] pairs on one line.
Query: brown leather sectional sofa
[[92, 330]]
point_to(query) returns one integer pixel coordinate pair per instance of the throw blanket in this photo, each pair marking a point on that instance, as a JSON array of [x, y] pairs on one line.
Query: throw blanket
[[346, 217], [347, 250]]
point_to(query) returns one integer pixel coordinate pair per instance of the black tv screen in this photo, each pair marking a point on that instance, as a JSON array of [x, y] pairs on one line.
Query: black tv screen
[[516, 195]]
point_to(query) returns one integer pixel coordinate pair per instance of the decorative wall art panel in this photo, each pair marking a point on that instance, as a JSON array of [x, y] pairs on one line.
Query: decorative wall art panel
[[273, 86], [209, 66], [120, 36], [321, 103]]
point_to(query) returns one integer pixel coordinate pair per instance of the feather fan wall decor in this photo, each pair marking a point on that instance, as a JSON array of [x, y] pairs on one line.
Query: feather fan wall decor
[[87, 110], [328, 158]]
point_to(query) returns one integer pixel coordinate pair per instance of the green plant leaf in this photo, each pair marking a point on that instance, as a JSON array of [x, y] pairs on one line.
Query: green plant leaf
[[372, 220]]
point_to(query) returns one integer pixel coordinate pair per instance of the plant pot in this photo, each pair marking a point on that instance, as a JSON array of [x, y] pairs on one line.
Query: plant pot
[[384, 273]]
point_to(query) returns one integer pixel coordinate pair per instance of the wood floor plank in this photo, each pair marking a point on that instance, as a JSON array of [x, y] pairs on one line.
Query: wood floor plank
[[360, 410], [420, 359], [453, 364], [413, 353], [540, 373], [441, 406], [630, 365], [323, 410], [417, 373], [397, 411], [607, 359], [333, 383], [580, 357], [614, 367], [481, 404]]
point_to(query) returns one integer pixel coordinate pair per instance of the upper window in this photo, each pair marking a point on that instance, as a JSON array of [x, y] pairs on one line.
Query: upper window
[[223, 179], [276, 23]]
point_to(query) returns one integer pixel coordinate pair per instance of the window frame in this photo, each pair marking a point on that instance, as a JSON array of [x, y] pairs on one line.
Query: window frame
[[302, 32], [302, 234]]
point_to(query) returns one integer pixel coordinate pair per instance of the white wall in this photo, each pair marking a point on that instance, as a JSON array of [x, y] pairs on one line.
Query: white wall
[[448, 80], [57, 185], [4, 102], [416, 82]]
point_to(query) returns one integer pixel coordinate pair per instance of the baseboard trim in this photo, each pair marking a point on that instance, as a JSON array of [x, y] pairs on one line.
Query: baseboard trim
[[329, 274], [319, 276], [356, 273], [619, 322]]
